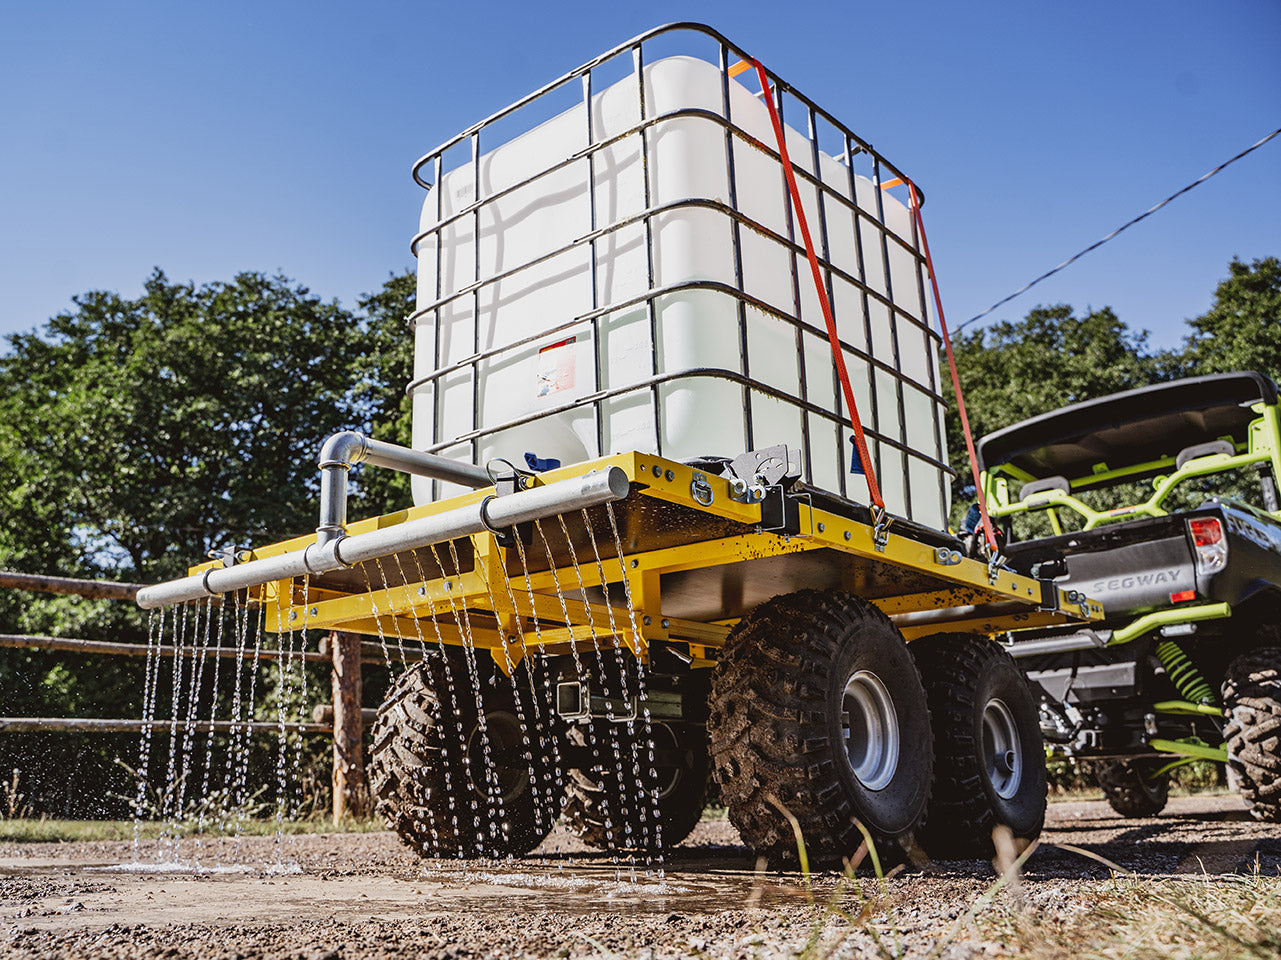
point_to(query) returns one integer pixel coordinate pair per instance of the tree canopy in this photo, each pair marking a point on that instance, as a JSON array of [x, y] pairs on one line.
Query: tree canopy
[[145, 432], [1242, 329], [1016, 369]]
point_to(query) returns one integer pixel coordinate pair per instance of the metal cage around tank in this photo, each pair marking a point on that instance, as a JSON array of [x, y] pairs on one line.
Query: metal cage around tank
[[875, 317]]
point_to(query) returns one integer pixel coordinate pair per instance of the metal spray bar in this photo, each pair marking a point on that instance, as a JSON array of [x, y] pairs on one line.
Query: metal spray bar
[[492, 513]]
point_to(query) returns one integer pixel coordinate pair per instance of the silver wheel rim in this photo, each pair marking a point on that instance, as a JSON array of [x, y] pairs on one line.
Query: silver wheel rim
[[1001, 754], [869, 727]]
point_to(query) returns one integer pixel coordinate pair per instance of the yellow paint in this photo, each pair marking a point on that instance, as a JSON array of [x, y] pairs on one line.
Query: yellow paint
[[514, 617]]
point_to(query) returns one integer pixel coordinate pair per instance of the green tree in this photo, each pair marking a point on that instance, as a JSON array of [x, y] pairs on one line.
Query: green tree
[[382, 371], [1242, 330], [137, 435], [1014, 370], [146, 432]]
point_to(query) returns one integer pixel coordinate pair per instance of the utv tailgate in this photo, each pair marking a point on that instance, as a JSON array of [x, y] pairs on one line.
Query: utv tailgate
[[1149, 564]]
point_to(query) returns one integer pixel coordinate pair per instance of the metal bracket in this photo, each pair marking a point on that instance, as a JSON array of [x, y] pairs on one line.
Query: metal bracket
[[769, 467], [230, 556], [994, 566], [881, 521], [506, 484], [946, 557], [741, 491], [1049, 596], [780, 513], [701, 490]]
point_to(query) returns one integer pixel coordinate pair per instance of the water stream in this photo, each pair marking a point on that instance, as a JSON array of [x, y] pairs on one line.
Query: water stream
[[485, 659]]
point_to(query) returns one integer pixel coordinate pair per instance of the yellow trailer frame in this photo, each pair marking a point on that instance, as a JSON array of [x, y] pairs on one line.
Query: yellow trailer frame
[[695, 561]]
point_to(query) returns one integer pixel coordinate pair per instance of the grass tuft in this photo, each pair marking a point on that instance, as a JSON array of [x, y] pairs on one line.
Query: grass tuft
[[1132, 918]]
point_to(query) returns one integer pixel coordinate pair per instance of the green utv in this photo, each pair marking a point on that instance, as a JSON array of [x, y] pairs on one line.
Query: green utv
[[1162, 503]]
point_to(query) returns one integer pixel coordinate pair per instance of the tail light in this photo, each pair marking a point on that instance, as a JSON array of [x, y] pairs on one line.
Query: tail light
[[1209, 542]]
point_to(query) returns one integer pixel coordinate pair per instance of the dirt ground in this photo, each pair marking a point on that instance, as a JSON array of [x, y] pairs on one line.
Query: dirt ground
[[330, 896]]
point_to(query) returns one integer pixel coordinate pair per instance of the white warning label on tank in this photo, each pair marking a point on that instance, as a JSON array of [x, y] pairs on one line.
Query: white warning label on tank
[[556, 367]]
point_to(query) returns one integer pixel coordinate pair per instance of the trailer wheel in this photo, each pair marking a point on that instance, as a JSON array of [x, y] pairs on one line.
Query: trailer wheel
[[449, 788], [989, 762], [1130, 788], [613, 807], [817, 709], [1252, 706]]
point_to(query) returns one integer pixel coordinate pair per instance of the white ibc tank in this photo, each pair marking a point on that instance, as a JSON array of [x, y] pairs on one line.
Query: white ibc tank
[[556, 318]]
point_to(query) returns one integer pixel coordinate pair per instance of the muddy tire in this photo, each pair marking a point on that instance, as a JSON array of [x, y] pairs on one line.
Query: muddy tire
[[817, 708], [450, 787], [608, 809], [1129, 787], [1252, 706], [989, 762]]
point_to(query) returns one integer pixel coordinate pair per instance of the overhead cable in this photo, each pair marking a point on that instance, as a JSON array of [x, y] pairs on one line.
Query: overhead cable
[[1125, 226]]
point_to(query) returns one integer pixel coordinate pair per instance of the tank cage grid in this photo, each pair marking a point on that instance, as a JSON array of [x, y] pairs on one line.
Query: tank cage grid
[[876, 364]]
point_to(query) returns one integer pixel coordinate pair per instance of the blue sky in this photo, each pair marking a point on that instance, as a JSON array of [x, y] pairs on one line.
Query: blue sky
[[212, 138]]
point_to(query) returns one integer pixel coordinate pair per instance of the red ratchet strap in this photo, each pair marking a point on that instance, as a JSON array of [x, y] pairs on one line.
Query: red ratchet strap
[[988, 532], [838, 355]]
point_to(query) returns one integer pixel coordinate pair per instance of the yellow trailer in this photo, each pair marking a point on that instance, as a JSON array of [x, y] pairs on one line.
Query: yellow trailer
[[622, 261]]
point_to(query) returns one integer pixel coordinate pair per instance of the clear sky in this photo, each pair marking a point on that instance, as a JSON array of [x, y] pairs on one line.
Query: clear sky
[[216, 137]]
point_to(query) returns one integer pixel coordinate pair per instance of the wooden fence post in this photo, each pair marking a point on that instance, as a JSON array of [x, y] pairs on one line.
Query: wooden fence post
[[350, 793]]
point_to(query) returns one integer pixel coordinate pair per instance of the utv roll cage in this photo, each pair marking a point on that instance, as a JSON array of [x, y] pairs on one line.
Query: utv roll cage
[[1155, 433]]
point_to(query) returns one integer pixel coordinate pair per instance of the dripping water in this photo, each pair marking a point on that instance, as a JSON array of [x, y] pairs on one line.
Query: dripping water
[[646, 724], [203, 630], [422, 652], [643, 808], [452, 795], [491, 788], [612, 722], [155, 631], [213, 715], [581, 672], [548, 695], [545, 814]]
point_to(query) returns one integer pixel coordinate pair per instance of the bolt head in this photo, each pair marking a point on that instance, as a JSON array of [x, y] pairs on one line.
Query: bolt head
[[666, 623], [648, 621], [669, 476], [422, 591], [312, 612], [822, 527], [847, 534]]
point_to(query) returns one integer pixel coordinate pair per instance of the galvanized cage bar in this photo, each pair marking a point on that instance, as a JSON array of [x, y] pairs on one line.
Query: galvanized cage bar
[[603, 231]]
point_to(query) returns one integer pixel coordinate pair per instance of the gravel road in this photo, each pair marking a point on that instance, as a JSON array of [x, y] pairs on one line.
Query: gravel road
[[330, 896]]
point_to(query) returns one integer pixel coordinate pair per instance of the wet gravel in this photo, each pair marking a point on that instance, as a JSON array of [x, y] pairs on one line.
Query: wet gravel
[[330, 896]]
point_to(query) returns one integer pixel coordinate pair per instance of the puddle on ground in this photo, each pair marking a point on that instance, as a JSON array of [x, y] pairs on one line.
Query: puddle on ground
[[195, 867], [581, 889]]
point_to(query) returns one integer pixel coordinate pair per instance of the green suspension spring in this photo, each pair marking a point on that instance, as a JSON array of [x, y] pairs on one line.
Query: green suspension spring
[[1187, 679]]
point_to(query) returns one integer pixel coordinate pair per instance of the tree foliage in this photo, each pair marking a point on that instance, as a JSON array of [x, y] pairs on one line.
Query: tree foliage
[[1013, 370], [158, 428], [383, 369], [1242, 329], [140, 433]]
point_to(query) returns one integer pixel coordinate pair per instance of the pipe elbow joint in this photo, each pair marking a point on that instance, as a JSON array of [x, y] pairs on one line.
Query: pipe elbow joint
[[322, 556], [344, 449]]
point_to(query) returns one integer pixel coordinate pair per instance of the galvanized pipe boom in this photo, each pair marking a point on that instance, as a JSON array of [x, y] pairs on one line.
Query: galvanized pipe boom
[[493, 513], [342, 451]]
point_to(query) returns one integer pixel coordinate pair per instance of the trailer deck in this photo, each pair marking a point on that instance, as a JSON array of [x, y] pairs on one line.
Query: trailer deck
[[696, 558]]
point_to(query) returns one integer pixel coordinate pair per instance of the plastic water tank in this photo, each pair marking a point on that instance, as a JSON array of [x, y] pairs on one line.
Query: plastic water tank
[[627, 281]]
